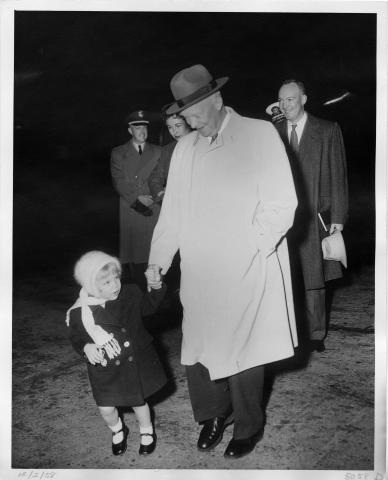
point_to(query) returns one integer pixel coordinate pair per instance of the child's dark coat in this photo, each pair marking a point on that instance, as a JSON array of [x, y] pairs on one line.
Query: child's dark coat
[[137, 372]]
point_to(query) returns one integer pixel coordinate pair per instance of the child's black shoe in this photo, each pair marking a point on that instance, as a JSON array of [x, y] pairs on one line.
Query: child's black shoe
[[119, 448], [147, 449]]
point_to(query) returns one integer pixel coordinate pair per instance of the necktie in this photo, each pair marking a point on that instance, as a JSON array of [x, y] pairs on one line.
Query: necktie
[[213, 138], [294, 139], [140, 150]]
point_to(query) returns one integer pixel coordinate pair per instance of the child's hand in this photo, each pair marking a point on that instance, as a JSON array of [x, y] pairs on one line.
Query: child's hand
[[93, 353]]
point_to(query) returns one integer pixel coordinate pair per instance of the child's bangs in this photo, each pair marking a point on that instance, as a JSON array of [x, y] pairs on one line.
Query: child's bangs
[[109, 269]]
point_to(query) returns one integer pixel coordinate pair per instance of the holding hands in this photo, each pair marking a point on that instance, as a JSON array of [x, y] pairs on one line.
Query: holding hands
[[153, 276]]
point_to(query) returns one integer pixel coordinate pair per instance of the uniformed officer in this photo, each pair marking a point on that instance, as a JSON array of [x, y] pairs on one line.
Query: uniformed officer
[[131, 165]]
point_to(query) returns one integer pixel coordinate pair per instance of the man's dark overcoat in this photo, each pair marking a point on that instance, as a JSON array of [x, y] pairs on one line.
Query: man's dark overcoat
[[137, 372], [130, 172], [320, 176]]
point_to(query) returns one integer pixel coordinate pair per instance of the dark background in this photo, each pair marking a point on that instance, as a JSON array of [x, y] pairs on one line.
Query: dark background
[[77, 75]]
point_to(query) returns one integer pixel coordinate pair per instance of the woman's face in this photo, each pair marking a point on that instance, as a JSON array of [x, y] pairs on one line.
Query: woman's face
[[177, 127]]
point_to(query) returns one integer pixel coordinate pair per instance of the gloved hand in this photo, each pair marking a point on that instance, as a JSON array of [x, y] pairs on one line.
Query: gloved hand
[[141, 208], [336, 226], [146, 200]]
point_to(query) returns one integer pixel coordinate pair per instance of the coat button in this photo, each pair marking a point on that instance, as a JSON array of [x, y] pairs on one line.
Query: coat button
[[130, 359], [123, 329], [126, 344], [117, 362]]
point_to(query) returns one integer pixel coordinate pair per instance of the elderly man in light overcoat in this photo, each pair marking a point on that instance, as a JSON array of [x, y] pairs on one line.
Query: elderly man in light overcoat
[[229, 202]]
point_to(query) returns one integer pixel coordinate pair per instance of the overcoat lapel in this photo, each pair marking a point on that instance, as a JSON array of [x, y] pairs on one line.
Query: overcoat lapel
[[202, 145], [310, 140]]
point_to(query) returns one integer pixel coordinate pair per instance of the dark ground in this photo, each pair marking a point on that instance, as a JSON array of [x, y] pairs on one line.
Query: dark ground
[[320, 409]]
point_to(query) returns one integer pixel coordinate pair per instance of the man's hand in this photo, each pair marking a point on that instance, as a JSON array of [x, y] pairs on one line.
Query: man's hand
[[154, 279], [336, 226], [93, 353], [145, 200]]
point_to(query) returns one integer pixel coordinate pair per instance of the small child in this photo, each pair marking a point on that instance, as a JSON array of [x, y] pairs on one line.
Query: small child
[[106, 328]]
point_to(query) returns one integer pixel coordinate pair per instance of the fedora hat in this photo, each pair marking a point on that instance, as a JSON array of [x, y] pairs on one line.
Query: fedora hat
[[191, 85], [333, 248]]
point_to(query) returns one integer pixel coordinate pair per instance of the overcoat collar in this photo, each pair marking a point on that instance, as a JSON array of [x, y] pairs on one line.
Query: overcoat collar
[[202, 143], [110, 315]]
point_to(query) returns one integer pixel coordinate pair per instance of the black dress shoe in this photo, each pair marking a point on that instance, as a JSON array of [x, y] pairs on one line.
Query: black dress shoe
[[147, 449], [240, 447], [317, 346], [211, 433], [119, 448]]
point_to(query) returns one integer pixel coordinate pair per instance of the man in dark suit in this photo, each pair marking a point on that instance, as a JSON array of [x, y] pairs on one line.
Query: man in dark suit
[[317, 157], [131, 165]]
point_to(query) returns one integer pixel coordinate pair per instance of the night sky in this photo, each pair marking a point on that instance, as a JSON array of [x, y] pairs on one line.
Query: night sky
[[77, 75]]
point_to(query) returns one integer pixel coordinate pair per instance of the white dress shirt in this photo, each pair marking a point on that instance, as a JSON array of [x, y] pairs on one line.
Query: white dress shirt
[[299, 127]]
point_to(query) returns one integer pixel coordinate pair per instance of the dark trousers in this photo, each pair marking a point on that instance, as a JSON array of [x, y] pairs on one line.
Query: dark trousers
[[310, 304], [316, 313], [241, 393]]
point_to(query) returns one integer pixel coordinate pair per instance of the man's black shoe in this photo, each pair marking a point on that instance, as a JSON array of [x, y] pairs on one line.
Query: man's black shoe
[[211, 433], [317, 346], [240, 447]]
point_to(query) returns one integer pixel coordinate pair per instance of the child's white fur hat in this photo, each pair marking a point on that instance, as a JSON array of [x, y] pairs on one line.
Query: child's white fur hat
[[87, 267]]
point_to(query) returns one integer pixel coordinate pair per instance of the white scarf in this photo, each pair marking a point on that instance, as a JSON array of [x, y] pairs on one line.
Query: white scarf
[[101, 337]]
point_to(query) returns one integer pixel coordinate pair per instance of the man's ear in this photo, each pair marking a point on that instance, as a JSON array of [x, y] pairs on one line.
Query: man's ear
[[130, 131], [304, 99], [218, 100]]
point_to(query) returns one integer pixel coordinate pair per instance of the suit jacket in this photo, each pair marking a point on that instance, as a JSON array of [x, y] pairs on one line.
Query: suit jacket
[[320, 176], [130, 172]]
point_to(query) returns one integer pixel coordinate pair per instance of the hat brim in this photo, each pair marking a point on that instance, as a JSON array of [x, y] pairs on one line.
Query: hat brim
[[177, 107], [139, 122]]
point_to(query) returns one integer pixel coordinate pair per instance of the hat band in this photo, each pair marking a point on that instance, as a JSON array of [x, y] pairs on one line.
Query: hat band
[[198, 93]]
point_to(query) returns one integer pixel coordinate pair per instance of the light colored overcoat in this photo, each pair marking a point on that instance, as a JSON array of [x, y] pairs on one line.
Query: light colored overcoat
[[130, 172], [227, 208]]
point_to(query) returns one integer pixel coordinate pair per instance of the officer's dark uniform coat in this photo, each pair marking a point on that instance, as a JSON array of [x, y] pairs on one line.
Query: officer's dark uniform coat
[[130, 172]]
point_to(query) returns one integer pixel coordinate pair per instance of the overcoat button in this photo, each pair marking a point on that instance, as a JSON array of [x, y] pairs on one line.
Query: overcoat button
[[117, 362], [123, 329], [130, 359], [126, 344]]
